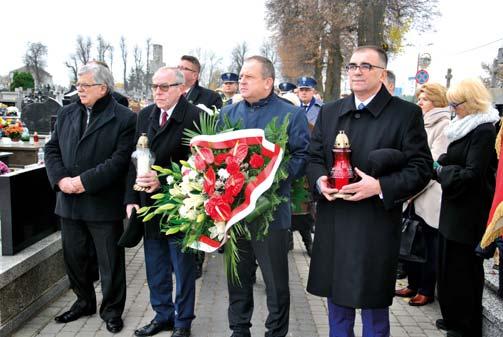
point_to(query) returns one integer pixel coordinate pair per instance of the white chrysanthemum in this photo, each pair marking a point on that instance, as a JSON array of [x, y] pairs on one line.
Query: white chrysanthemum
[[170, 180], [223, 173]]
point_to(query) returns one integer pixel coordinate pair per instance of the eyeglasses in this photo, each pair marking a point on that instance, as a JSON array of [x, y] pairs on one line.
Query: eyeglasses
[[364, 67], [86, 86], [455, 105], [164, 86], [187, 69]]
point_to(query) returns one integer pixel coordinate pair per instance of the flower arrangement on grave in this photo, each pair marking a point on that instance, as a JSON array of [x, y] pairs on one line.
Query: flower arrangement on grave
[[13, 131], [231, 179]]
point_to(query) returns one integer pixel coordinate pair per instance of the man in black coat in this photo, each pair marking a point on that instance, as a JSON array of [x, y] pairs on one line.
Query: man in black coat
[[87, 160], [194, 93], [164, 123], [356, 243]]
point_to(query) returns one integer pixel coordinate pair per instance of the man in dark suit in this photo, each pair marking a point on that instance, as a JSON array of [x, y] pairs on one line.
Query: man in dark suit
[[356, 243], [87, 160], [164, 123], [194, 93]]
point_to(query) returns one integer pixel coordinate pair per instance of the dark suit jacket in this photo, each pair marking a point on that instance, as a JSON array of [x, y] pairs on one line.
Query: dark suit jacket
[[201, 95], [356, 244], [166, 144], [468, 179], [100, 157]]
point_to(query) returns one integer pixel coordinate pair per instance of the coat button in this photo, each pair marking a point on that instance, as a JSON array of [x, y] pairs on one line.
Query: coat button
[[357, 115]]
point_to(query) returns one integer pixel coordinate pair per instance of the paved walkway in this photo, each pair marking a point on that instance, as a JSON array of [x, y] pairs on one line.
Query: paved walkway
[[308, 314]]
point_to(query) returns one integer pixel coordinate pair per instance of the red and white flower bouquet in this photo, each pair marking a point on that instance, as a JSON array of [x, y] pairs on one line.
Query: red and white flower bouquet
[[232, 178]]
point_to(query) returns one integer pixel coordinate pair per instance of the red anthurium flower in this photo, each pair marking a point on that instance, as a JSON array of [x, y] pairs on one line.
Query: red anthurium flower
[[234, 183], [233, 164], [199, 163], [206, 154], [256, 161], [220, 158], [228, 198], [209, 181], [218, 209], [239, 150]]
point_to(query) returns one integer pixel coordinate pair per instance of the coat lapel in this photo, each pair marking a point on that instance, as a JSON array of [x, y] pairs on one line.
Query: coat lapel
[[194, 93], [103, 118], [175, 119]]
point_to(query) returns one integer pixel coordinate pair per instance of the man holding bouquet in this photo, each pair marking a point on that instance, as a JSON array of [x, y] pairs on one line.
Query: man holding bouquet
[[259, 106]]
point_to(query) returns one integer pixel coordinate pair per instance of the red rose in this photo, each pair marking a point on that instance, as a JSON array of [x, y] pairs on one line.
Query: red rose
[[218, 209], [232, 164], [256, 161], [234, 183], [209, 181], [220, 158]]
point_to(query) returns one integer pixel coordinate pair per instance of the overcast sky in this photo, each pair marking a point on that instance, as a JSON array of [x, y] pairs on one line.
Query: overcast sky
[[466, 34]]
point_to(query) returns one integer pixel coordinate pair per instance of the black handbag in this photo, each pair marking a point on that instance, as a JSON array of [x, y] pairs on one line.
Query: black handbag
[[133, 233], [413, 241]]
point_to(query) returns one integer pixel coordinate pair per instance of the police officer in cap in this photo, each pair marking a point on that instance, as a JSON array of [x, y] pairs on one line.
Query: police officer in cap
[[310, 104], [229, 87], [285, 87], [302, 219]]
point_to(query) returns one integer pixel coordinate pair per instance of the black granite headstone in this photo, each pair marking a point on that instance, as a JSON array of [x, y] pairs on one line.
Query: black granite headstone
[[37, 116], [26, 209]]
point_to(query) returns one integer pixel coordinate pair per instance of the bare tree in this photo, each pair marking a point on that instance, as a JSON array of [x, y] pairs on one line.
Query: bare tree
[[123, 48], [268, 50], [83, 51], [111, 56], [213, 70], [34, 59], [102, 47], [238, 56], [73, 65], [137, 76]]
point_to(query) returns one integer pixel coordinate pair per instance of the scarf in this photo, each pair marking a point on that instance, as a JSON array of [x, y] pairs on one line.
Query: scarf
[[460, 127]]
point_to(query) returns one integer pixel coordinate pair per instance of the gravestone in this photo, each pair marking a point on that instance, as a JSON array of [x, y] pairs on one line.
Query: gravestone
[[37, 116]]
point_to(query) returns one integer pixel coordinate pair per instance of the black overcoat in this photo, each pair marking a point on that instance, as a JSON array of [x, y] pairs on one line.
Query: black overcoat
[[100, 157], [468, 179], [356, 244], [166, 144], [200, 95]]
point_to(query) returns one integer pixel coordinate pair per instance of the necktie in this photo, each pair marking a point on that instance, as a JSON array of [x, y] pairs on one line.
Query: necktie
[[164, 118], [305, 106], [361, 106]]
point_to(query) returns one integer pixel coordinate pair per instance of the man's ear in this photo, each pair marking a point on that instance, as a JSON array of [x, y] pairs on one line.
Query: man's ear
[[269, 83]]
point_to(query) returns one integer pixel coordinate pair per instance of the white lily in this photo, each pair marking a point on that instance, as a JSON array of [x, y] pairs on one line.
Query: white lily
[[218, 231], [223, 173]]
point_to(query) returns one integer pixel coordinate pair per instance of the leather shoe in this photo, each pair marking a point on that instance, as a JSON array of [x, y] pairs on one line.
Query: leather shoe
[[454, 333], [73, 315], [405, 292], [420, 300], [115, 325], [441, 325], [181, 332], [153, 327]]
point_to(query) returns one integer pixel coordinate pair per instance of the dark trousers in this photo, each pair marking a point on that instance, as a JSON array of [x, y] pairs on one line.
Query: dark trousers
[[76, 235], [271, 255], [304, 224], [162, 257], [460, 279], [342, 321], [423, 276]]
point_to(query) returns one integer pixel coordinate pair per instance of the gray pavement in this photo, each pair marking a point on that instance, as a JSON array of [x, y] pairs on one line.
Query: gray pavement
[[308, 314]]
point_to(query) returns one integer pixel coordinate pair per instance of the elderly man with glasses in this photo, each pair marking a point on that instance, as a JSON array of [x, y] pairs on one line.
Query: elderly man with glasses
[[164, 123], [356, 243], [87, 160]]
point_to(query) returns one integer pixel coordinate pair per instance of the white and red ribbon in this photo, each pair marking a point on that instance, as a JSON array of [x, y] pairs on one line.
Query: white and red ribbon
[[254, 189]]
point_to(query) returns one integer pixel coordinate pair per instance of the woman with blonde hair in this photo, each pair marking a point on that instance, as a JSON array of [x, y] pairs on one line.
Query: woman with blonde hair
[[426, 205], [467, 176]]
